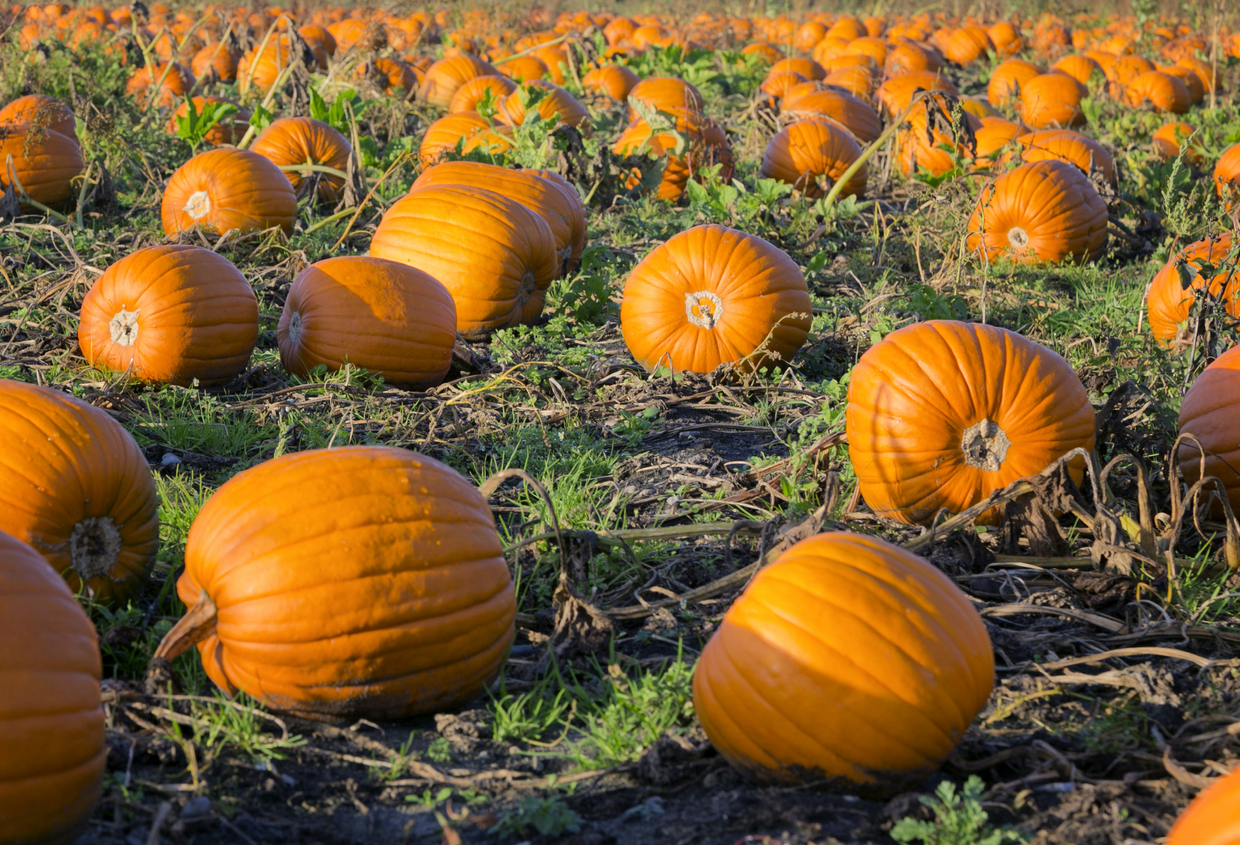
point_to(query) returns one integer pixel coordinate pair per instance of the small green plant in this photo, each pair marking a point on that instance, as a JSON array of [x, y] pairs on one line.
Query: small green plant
[[439, 751], [194, 126], [547, 816], [337, 115], [238, 726], [959, 819]]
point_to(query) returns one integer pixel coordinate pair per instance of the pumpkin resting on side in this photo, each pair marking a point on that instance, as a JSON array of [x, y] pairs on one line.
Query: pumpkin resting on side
[[712, 295], [941, 414], [292, 141], [811, 155], [376, 314], [848, 659], [355, 582], [227, 189], [76, 487], [171, 314], [51, 725]]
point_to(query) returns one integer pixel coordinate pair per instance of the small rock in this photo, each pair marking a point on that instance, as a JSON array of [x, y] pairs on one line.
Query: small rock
[[196, 808]]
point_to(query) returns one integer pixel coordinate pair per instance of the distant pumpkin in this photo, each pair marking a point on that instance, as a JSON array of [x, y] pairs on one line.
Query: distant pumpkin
[[1169, 301], [811, 155], [291, 141]]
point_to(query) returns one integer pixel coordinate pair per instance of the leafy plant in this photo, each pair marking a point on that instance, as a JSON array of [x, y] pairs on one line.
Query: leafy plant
[[959, 819], [547, 816], [439, 751], [337, 115], [194, 126]]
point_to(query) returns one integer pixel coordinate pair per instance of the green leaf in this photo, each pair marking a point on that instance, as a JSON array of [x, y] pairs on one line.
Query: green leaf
[[318, 108], [260, 119]]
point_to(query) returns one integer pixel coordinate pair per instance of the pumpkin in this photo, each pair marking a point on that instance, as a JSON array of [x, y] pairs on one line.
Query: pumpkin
[[1208, 412], [1041, 211], [942, 413], [897, 93], [556, 105], [1204, 71], [874, 49], [314, 34], [225, 190], [811, 155], [848, 660], [524, 69], [291, 141], [445, 76], [51, 724], [850, 112], [766, 50], [39, 111], [357, 582], [1052, 100], [777, 85], [934, 135], [230, 130], [389, 318], [44, 162], [1158, 91], [828, 49], [858, 80], [76, 487], [994, 136], [710, 296], [556, 202], [217, 59], [1080, 68], [909, 57], [1125, 69], [1169, 301], [471, 93], [707, 145], [808, 68], [178, 81], [664, 93], [1172, 139], [170, 315], [462, 127], [494, 255], [1007, 79], [964, 45], [1214, 816], [615, 81], [807, 35], [1227, 175], [1006, 39], [1071, 147]]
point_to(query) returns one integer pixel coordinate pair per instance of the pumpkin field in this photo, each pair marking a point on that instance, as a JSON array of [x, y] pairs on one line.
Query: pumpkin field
[[693, 424]]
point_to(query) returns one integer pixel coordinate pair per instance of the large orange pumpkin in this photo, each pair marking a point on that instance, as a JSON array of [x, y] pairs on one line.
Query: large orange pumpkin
[[711, 296], [707, 145], [1007, 80], [1214, 816], [616, 81], [44, 162], [1209, 412], [1041, 211], [934, 135], [177, 82], [557, 202], [1052, 100], [230, 130], [40, 111], [849, 111], [386, 317], [171, 314], [941, 414], [466, 128], [664, 93], [1080, 68], [471, 93], [897, 93], [75, 485], [1159, 91], [494, 255], [556, 105], [811, 155], [848, 660], [1169, 302], [1071, 147], [1170, 139], [291, 141], [445, 76], [227, 189], [362, 581], [51, 724], [1227, 175], [217, 59]]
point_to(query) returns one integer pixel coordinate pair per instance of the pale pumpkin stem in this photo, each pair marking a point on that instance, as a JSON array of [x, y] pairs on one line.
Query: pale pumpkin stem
[[124, 327], [703, 309], [1018, 237], [294, 327], [985, 446], [196, 625], [94, 545], [198, 205]]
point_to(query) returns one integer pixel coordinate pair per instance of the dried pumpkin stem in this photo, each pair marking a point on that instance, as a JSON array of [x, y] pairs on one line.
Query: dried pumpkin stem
[[196, 625]]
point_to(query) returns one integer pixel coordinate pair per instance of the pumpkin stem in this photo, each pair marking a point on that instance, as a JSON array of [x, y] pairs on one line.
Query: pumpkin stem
[[196, 625], [198, 206], [93, 547], [704, 309], [985, 445], [1018, 237], [124, 327], [294, 327]]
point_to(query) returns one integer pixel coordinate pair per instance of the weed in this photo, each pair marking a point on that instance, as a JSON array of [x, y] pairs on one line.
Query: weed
[[959, 819], [439, 751], [547, 816]]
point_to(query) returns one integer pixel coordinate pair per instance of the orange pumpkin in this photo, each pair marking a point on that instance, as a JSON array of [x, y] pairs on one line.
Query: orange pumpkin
[[1125, 69], [1208, 412], [1158, 91], [1173, 138], [1052, 100], [1080, 68], [850, 112], [390, 74], [39, 111], [941, 414], [76, 487], [909, 57], [389, 318], [524, 69], [466, 128], [1071, 147], [858, 80], [707, 145], [777, 85], [1006, 39], [808, 68], [1227, 175], [935, 135], [292, 141], [230, 130], [1041, 211], [848, 660], [227, 189], [896, 94], [556, 105], [557, 202], [471, 93], [494, 255], [217, 59], [43, 161], [356, 582], [664, 93], [964, 45], [178, 81], [445, 76], [710, 296], [1205, 72], [170, 315], [51, 724], [1169, 302], [1214, 816], [1007, 79], [616, 81], [994, 136]]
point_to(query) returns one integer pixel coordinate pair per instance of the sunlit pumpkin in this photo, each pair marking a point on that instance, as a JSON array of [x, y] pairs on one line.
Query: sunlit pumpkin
[[1169, 301], [227, 189]]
